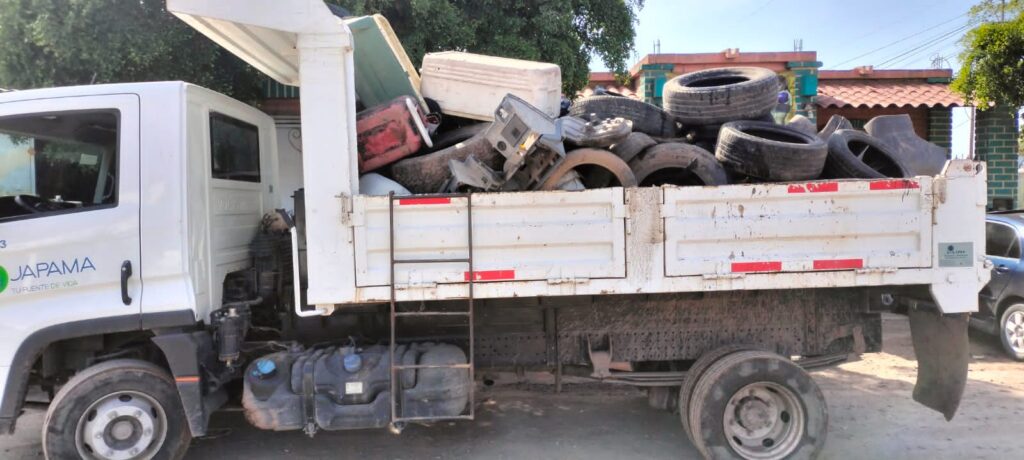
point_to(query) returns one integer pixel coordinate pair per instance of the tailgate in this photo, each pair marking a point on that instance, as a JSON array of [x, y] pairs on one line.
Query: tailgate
[[516, 236], [818, 226]]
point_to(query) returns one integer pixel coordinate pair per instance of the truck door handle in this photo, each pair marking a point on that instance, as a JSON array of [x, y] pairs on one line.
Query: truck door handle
[[126, 272], [1002, 269]]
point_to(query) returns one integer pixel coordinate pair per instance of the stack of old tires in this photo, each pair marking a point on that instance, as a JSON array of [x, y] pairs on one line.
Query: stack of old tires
[[716, 127]]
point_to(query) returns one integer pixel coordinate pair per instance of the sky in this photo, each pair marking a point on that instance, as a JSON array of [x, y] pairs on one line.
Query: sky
[[839, 30], [905, 34]]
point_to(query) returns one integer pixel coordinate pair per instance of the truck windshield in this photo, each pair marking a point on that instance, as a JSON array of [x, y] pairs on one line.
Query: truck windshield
[[56, 162]]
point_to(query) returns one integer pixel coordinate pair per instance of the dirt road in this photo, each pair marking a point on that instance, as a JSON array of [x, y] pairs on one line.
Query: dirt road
[[872, 417]]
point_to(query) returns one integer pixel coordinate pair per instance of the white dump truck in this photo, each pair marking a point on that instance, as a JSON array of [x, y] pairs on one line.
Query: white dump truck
[[144, 268]]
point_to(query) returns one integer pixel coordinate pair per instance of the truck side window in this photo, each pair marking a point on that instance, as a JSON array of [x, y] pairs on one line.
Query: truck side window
[[999, 240], [234, 149], [58, 162]]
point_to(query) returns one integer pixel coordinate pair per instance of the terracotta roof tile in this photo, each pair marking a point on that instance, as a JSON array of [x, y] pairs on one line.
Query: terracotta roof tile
[[885, 93]]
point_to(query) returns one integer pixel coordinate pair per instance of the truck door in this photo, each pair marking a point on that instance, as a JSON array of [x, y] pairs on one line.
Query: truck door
[[69, 212], [1002, 247]]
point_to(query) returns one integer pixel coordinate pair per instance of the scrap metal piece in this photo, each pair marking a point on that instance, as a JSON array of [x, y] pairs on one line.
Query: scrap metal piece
[[518, 129], [590, 157], [600, 133], [922, 158], [471, 174], [942, 350], [604, 133]]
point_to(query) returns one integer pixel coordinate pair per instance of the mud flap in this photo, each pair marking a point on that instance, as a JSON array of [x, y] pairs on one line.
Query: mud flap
[[942, 350]]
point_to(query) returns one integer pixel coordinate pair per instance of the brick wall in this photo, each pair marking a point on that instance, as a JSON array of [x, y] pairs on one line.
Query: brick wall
[[996, 145], [940, 128]]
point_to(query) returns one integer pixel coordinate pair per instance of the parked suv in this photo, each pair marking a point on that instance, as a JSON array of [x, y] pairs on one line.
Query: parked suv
[[1001, 301]]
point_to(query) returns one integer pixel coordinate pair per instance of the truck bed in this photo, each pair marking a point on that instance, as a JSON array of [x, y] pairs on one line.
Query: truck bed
[[836, 233]]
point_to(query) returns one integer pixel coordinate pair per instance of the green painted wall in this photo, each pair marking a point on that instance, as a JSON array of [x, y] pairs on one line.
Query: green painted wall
[[996, 145], [940, 128]]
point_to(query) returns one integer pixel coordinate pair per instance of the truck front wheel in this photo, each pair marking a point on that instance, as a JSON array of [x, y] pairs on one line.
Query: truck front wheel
[[117, 410], [757, 405]]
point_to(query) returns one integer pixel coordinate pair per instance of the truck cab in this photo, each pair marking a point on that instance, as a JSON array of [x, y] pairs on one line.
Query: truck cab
[[122, 207]]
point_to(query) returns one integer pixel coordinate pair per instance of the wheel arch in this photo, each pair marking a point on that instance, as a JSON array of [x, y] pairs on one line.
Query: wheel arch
[[31, 349], [1006, 303]]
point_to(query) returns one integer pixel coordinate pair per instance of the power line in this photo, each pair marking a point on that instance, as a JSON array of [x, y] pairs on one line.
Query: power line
[[758, 9], [901, 40], [896, 61], [925, 45]]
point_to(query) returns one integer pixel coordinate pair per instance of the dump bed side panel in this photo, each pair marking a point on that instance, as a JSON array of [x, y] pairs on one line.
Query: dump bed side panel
[[516, 236], [836, 225]]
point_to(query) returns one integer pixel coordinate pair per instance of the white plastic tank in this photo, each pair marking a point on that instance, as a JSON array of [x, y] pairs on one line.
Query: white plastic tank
[[472, 85]]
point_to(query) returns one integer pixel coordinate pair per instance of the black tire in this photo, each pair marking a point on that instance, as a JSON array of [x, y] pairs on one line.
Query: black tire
[[716, 96], [770, 151], [1012, 340], [646, 118], [428, 173], [460, 134], [693, 375], [835, 123], [677, 164], [121, 378], [858, 155], [803, 124], [795, 427], [633, 145]]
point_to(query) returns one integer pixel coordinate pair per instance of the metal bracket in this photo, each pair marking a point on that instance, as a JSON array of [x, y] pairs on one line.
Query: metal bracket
[[346, 208]]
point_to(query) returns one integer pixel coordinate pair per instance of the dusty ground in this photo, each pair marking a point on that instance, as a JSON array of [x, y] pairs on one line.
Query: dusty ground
[[872, 417]]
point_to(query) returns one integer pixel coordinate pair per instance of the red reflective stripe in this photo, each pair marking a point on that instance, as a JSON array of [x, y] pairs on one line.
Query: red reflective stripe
[[894, 184], [187, 379], [413, 201], [491, 275], [838, 264], [739, 267], [814, 187]]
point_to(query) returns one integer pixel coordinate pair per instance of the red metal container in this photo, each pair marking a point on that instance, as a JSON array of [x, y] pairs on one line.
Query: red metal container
[[390, 132]]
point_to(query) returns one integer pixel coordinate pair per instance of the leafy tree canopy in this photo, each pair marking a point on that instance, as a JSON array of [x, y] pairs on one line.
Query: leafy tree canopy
[[70, 42], [992, 69], [565, 32], [996, 10]]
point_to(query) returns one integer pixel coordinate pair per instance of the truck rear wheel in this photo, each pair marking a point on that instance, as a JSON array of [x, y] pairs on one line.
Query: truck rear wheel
[[117, 410], [757, 405]]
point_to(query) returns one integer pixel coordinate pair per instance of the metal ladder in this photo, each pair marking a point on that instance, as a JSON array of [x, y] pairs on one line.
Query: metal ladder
[[397, 420]]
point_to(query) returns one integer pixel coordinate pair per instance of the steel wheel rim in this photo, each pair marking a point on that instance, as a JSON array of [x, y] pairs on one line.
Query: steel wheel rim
[[1013, 331], [124, 425], [764, 420]]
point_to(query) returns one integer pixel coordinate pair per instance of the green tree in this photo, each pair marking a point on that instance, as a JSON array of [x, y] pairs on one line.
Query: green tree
[[996, 10], [565, 32], [992, 63], [69, 42]]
